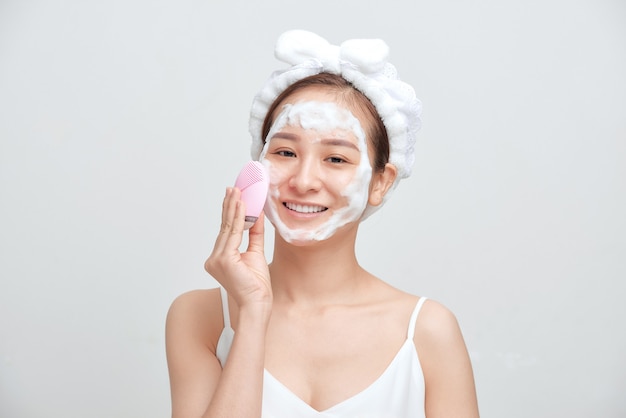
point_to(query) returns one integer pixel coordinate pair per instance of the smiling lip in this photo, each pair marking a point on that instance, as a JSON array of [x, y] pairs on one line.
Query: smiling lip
[[305, 209]]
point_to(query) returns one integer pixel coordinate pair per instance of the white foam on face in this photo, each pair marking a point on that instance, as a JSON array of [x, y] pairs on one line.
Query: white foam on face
[[322, 117]]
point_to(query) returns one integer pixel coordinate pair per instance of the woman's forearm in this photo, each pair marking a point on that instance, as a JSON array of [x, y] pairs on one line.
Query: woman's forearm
[[239, 392]]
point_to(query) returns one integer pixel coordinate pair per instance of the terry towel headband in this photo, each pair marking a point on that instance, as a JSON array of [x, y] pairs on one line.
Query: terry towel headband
[[363, 63]]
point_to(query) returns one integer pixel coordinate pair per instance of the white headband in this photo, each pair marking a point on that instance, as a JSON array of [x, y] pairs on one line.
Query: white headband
[[363, 63]]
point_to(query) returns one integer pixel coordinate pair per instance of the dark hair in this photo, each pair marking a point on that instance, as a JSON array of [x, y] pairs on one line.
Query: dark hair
[[349, 95]]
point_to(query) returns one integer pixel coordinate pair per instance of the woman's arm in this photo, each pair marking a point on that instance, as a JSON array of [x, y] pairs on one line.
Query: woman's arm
[[199, 386], [191, 331], [450, 390]]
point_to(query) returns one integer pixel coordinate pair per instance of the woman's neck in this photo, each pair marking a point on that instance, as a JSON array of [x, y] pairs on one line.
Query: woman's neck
[[317, 273]]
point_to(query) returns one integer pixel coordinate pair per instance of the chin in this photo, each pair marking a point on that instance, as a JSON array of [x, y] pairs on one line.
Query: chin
[[315, 236], [301, 238]]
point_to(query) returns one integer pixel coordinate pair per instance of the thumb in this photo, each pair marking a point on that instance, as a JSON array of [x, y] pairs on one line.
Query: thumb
[[256, 235]]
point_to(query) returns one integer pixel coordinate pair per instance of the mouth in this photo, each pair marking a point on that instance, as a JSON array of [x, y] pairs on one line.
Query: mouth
[[304, 208]]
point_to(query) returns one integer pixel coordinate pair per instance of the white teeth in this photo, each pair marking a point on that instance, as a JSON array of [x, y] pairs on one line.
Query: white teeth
[[304, 208]]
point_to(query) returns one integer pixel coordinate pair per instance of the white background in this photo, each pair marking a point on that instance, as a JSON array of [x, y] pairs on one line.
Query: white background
[[121, 123]]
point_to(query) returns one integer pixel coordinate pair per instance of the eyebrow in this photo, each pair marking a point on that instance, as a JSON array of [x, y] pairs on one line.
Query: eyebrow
[[340, 143], [285, 135], [325, 141]]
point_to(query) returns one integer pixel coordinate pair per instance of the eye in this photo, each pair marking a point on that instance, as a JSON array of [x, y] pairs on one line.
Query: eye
[[336, 160], [285, 153]]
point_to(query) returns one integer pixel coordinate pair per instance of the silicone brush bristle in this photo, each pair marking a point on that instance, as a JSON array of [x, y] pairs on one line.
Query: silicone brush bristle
[[251, 174]]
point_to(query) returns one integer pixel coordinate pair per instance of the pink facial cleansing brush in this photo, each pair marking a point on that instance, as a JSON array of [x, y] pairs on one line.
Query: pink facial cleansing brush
[[253, 181]]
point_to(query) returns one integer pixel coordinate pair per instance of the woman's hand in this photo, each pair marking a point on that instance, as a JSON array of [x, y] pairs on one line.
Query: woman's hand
[[245, 276]]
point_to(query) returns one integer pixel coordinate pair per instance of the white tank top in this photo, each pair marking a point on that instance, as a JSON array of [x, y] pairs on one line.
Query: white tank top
[[397, 393]]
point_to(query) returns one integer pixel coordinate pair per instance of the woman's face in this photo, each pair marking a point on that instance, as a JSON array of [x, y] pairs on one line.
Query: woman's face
[[320, 171]]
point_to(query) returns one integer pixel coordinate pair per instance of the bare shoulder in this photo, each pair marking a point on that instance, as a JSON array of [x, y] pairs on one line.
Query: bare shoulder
[[436, 324], [196, 301], [438, 339], [197, 314]]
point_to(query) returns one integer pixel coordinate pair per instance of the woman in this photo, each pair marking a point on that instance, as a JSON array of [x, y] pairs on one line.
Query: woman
[[313, 334]]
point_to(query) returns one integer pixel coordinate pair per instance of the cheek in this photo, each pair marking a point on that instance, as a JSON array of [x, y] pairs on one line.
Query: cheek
[[278, 173], [278, 176], [342, 180]]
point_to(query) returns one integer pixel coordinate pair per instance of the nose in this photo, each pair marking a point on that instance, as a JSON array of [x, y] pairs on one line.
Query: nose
[[306, 176]]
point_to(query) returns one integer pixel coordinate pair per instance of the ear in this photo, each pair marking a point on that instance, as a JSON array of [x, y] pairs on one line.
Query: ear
[[380, 184]]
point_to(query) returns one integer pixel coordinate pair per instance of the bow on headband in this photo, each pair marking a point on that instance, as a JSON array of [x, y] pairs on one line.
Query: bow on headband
[[297, 46]]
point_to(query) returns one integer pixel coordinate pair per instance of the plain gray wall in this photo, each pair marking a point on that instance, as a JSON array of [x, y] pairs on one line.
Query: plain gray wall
[[122, 122]]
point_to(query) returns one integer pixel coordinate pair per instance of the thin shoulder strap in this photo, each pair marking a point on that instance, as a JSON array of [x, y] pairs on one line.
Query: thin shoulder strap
[[416, 311], [225, 311]]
